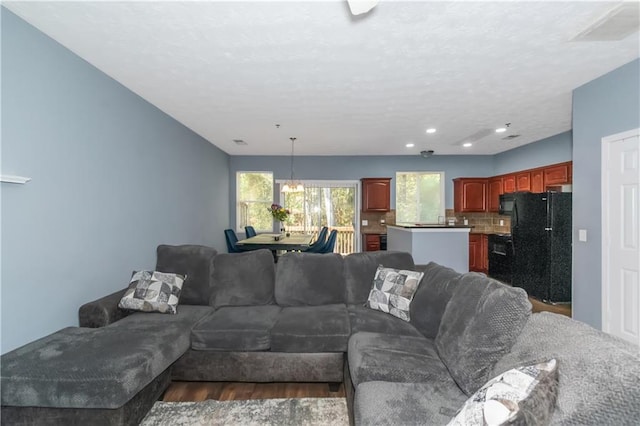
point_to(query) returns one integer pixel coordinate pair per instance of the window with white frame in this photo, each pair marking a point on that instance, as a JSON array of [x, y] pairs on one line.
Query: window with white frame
[[254, 196], [419, 197]]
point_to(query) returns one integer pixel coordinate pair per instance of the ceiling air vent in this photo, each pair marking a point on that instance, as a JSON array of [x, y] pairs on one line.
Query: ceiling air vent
[[480, 134], [240, 142], [617, 24], [508, 138]]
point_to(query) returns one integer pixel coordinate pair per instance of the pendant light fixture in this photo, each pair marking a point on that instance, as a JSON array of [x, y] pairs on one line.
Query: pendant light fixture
[[292, 185]]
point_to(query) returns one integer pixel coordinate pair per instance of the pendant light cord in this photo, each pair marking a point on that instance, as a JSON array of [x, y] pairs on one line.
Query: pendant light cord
[[292, 141]]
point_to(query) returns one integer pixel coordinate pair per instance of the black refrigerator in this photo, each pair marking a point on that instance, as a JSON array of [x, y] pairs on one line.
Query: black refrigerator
[[541, 234]]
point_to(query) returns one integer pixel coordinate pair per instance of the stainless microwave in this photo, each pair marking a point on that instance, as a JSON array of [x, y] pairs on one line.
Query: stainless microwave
[[506, 203]]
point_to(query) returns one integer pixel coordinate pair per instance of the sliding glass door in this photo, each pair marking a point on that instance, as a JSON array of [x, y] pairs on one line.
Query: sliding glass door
[[325, 203]]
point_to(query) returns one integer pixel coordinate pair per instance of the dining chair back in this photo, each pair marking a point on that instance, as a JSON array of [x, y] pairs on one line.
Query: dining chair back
[[232, 239], [250, 231], [319, 243], [322, 237], [331, 242]]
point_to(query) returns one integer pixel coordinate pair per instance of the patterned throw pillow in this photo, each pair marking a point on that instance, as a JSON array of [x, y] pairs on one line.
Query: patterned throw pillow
[[520, 396], [152, 291], [393, 290]]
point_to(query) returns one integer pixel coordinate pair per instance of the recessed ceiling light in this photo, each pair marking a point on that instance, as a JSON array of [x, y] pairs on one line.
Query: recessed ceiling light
[[431, 130], [501, 129], [467, 144], [410, 145]]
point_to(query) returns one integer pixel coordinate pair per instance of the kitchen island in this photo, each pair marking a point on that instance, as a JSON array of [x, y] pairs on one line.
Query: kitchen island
[[443, 244]]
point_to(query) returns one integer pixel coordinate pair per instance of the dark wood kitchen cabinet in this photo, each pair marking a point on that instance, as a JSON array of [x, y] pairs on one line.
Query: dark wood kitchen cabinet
[[495, 190], [523, 181], [376, 194], [484, 248], [483, 194], [509, 184], [478, 253], [371, 242], [558, 174], [537, 180], [470, 195]]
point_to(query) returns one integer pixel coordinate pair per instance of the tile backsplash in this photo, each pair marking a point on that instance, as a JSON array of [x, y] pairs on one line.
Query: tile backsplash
[[373, 218], [485, 223]]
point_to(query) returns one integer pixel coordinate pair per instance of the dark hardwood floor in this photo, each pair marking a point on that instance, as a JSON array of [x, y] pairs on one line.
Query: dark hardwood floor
[[229, 391], [538, 306]]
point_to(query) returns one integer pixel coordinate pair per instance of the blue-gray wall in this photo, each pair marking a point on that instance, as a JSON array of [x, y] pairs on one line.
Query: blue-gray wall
[[555, 149], [354, 168], [113, 177], [605, 106]]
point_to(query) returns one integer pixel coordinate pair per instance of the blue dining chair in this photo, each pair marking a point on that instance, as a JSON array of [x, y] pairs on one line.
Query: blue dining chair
[[250, 231], [320, 242], [232, 239], [331, 242]]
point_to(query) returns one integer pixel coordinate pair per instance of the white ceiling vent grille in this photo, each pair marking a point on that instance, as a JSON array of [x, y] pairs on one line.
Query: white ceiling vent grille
[[240, 142], [480, 134], [617, 24]]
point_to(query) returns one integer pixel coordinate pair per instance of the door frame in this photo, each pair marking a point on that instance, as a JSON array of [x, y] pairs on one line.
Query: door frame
[[346, 182], [605, 220]]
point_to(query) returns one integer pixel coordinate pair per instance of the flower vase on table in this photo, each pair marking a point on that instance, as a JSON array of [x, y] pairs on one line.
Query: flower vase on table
[[280, 214]]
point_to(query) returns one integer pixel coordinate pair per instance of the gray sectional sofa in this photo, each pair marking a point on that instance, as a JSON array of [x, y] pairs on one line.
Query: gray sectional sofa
[[242, 318]]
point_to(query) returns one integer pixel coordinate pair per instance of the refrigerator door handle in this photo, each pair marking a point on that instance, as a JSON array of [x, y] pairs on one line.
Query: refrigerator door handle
[[549, 200]]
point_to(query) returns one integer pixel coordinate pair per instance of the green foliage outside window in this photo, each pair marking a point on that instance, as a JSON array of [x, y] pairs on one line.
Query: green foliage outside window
[[255, 196], [321, 206], [419, 197]]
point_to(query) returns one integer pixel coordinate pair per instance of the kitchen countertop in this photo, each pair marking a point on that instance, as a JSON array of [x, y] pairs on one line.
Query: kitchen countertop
[[419, 226], [489, 233]]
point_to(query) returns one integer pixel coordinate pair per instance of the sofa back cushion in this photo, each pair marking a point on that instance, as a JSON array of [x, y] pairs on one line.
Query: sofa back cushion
[[310, 279], [243, 279], [193, 261], [360, 269], [479, 326], [431, 298], [598, 373]]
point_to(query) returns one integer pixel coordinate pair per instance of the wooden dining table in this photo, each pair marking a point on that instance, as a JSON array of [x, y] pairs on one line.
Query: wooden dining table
[[275, 242]]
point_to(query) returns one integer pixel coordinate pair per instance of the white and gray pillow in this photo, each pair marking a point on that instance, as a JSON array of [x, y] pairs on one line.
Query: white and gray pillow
[[393, 290], [153, 291], [521, 396]]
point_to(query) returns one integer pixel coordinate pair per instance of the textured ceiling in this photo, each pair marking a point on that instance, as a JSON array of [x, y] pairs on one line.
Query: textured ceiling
[[344, 85]]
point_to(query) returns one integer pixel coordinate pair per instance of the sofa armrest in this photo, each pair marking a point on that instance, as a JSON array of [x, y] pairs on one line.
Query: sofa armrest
[[103, 311]]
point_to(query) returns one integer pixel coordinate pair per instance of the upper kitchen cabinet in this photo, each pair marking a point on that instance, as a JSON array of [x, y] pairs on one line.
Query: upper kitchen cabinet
[[537, 180], [558, 174], [376, 194], [509, 184], [523, 181], [470, 195], [495, 190]]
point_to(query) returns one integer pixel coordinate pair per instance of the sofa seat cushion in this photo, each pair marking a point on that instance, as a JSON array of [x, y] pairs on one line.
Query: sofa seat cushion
[[360, 269], [393, 358], [598, 374], [480, 324], [310, 279], [243, 279], [366, 319], [96, 367], [236, 328], [386, 403], [311, 329]]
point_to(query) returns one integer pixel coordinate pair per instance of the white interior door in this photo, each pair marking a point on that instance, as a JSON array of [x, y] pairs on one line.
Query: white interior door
[[621, 235]]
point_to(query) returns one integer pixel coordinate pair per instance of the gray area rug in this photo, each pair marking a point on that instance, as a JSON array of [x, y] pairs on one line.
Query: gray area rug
[[289, 411]]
